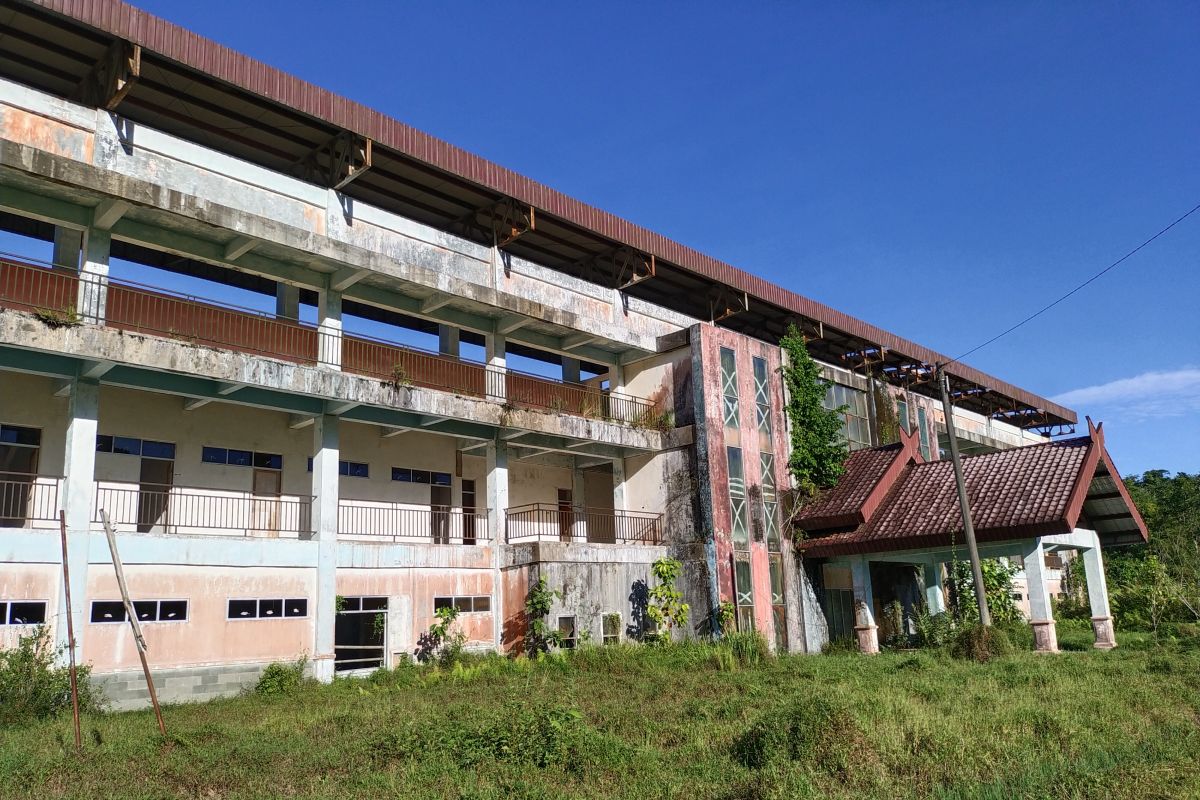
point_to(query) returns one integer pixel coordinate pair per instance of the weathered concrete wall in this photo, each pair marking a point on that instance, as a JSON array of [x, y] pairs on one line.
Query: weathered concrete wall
[[665, 380], [666, 483]]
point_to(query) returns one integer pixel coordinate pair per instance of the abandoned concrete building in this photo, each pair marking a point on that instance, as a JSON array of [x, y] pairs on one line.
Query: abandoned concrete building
[[326, 374]]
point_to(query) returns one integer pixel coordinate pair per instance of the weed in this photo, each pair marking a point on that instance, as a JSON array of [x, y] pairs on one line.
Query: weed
[[33, 688], [281, 679], [981, 644], [58, 318]]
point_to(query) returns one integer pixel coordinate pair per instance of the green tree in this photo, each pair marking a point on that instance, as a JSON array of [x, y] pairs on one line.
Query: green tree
[[997, 582], [666, 607], [1170, 505], [818, 452]]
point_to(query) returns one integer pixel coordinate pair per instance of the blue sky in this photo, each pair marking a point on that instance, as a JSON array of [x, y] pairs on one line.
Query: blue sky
[[940, 170]]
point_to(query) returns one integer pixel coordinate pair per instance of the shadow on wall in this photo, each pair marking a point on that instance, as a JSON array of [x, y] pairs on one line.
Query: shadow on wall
[[639, 601]]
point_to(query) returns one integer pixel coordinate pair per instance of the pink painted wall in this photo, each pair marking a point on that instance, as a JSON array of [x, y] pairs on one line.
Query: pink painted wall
[[37, 582], [413, 591]]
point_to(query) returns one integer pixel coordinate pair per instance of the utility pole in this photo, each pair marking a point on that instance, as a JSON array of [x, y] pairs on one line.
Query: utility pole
[[943, 379]]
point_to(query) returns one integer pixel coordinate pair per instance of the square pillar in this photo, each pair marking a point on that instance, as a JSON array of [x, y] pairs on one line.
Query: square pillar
[[75, 499], [68, 244], [935, 600], [329, 329], [616, 385], [324, 530], [1041, 617], [287, 301], [497, 506], [570, 370], [497, 384], [579, 530], [1097, 586], [864, 606], [620, 485], [93, 276], [448, 340]]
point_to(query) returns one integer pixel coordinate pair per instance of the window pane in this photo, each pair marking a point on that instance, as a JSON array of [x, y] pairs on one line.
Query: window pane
[[104, 444], [296, 607], [612, 625], [243, 609], [172, 611], [214, 455], [420, 476], [164, 450], [374, 604], [358, 470], [240, 458], [745, 589], [108, 611], [343, 468], [566, 626], [26, 613], [270, 608], [15, 434], [483, 603], [440, 478], [463, 604], [443, 602], [3, 613], [737, 479], [351, 603], [146, 610], [268, 461], [776, 580], [127, 445], [403, 475]]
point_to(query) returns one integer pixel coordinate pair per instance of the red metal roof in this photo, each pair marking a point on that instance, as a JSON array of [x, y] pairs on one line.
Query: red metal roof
[[1028, 491], [193, 51]]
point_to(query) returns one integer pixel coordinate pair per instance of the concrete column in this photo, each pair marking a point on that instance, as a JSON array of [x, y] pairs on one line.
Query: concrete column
[[497, 504], [448, 340], [579, 499], [497, 384], [324, 529], [935, 600], [329, 329], [287, 301], [570, 370], [93, 276], [620, 485], [616, 385], [1045, 639], [1102, 625], [68, 243], [864, 606], [78, 490]]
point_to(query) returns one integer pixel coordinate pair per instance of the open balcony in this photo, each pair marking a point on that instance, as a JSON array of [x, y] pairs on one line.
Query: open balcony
[[29, 501], [546, 522], [52, 295]]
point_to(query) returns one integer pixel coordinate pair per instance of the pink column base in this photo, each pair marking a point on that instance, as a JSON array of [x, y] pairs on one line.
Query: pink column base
[[868, 639], [1106, 638], [1045, 638]]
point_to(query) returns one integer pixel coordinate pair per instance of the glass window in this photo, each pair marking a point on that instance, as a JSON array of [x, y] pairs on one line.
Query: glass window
[[420, 476], [463, 604], [902, 414], [729, 396], [172, 610], [403, 475], [483, 603], [855, 425], [743, 594], [566, 627], [214, 455], [15, 434], [923, 427], [127, 445], [104, 444], [374, 604], [611, 633], [24, 612], [296, 607], [242, 609], [240, 458], [762, 402], [146, 610], [268, 461], [737, 499], [108, 611], [440, 478], [443, 602], [770, 501], [163, 450], [357, 470], [270, 608]]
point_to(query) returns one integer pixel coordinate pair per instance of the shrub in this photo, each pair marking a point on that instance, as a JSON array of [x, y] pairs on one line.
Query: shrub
[[980, 643], [817, 730], [280, 679], [441, 643], [933, 630], [32, 688], [749, 648]]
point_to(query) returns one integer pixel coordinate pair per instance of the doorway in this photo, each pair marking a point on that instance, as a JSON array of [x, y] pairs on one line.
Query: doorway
[[439, 516], [154, 492], [468, 511], [19, 449], [264, 511]]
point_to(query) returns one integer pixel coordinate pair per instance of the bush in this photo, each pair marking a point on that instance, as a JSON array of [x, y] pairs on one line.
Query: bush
[[280, 679], [32, 688], [933, 630], [817, 730], [980, 643]]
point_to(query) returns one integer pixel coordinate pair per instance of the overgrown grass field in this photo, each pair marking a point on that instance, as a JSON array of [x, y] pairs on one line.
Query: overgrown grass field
[[687, 721]]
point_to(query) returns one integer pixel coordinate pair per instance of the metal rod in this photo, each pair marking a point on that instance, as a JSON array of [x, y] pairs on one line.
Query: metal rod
[[62, 524], [132, 615], [985, 615]]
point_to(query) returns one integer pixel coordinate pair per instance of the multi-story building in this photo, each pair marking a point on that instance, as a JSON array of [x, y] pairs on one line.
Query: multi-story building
[[211, 330]]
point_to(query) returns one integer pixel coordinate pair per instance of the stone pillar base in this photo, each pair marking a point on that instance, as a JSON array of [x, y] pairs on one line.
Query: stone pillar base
[[1102, 627], [1045, 639], [868, 639]]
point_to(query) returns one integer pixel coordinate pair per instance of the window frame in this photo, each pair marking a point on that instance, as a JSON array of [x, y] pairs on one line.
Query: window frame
[[6, 608], [187, 614]]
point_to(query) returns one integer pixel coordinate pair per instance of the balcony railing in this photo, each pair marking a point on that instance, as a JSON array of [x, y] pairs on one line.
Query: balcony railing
[[401, 522], [151, 508], [52, 294], [546, 522], [28, 501]]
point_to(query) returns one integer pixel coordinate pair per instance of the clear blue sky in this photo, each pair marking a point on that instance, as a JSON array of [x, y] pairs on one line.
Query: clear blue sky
[[940, 170]]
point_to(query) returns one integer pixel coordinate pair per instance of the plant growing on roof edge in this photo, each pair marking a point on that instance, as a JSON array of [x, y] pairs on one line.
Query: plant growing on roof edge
[[818, 452]]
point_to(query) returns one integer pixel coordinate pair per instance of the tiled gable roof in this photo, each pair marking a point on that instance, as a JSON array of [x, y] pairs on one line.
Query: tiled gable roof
[[841, 506]]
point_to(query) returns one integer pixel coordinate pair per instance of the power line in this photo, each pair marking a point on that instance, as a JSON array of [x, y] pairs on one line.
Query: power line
[[1102, 272]]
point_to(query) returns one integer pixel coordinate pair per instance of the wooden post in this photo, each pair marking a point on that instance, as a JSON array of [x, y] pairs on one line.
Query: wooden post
[[62, 524], [132, 615]]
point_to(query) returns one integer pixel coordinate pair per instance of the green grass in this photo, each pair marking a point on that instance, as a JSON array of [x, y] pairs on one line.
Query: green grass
[[680, 722]]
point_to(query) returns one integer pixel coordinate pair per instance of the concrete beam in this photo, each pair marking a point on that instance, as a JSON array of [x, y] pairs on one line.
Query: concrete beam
[[427, 422], [435, 301], [108, 212], [239, 247], [339, 408], [192, 403], [62, 388], [507, 324], [391, 433], [577, 340], [298, 421], [226, 389], [95, 370], [346, 277]]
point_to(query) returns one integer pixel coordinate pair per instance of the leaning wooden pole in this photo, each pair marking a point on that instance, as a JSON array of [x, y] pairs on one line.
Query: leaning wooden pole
[[985, 615], [138, 639], [62, 525]]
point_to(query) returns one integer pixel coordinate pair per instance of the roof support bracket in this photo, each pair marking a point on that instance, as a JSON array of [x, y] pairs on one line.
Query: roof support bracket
[[338, 162], [110, 79], [727, 302], [619, 267], [504, 221]]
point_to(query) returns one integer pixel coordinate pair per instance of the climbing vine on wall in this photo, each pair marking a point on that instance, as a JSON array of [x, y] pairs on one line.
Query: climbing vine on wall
[[887, 421], [818, 449]]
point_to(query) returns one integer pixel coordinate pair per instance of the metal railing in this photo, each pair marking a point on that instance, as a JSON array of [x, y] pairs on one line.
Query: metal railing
[[26, 500], [55, 295], [380, 521], [546, 522], [151, 508]]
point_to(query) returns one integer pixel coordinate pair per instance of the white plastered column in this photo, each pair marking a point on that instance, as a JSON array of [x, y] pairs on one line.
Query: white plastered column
[[78, 489], [329, 329], [93, 276], [497, 500], [864, 606], [1041, 616], [497, 385], [935, 600], [1097, 586], [324, 529]]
